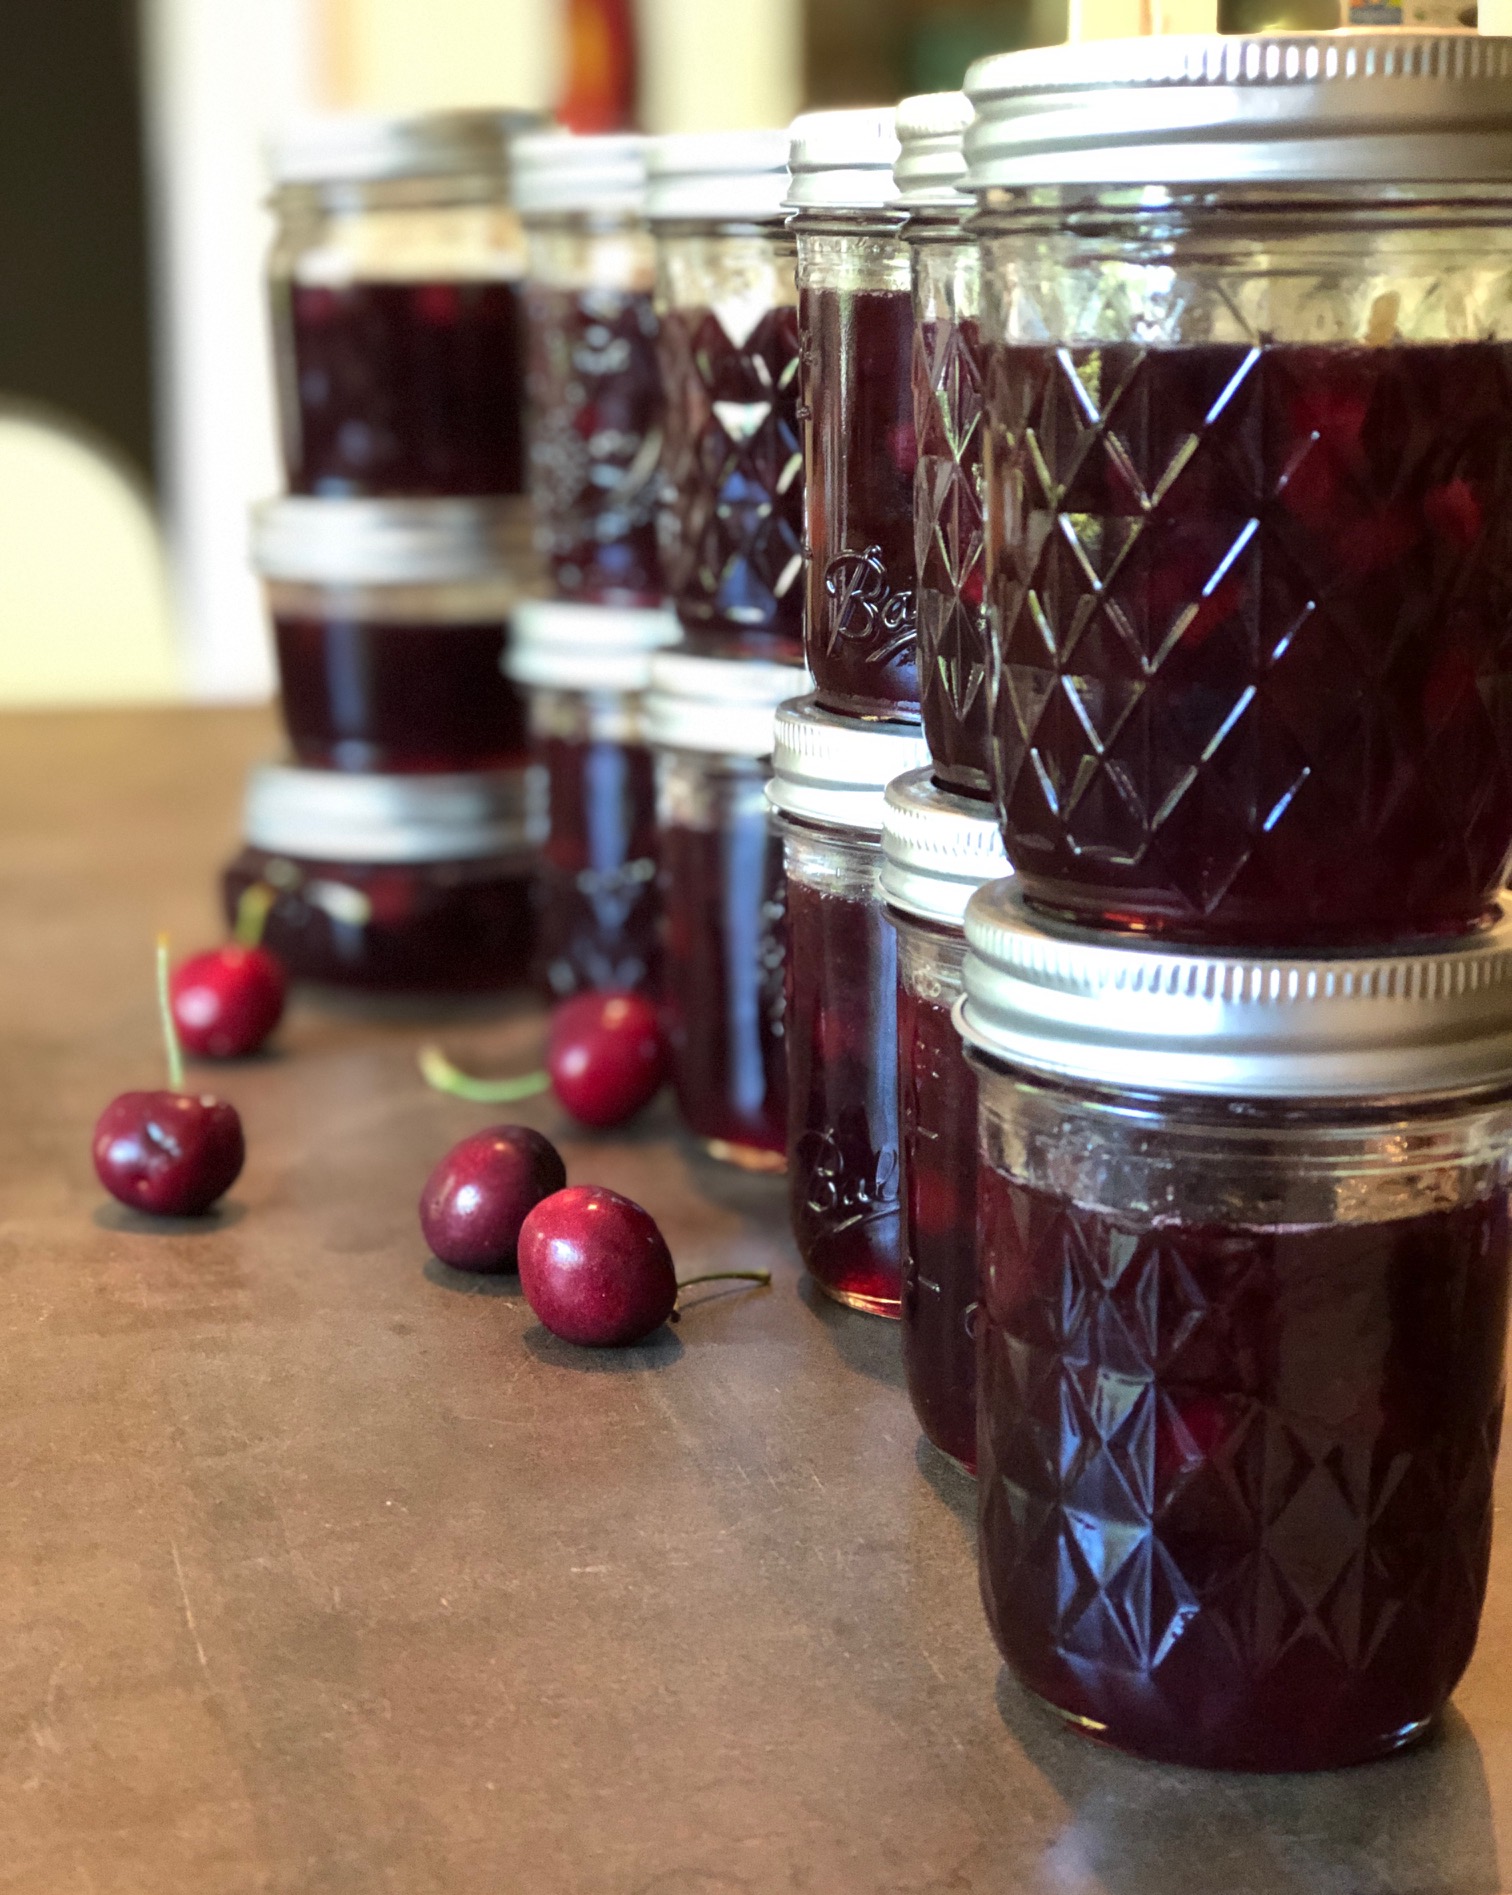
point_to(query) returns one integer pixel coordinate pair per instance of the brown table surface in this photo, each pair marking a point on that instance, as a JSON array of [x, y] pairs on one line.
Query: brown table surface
[[325, 1569]]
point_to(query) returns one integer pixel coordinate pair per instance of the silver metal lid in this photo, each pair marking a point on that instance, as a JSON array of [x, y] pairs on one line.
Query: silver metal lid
[[937, 848], [351, 542], [834, 770], [842, 160], [558, 172], [1140, 1016], [557, 645], [339, 816], [357, 148], [724, 177], [723, 706], [931, 161], [1376, 106]]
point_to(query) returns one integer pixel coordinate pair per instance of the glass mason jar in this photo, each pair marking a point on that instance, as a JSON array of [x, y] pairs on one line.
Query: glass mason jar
[[723, 939], [400, 883], [855, 315], [389, 620], [394, 277], [948, 494], [594, 417], [1243, 1244], [727, 298], [586, 670], [1250, 535], [828, 777], [937, 850]]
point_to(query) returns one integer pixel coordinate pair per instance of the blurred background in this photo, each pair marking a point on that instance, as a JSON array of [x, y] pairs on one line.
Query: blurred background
[[136, 418]]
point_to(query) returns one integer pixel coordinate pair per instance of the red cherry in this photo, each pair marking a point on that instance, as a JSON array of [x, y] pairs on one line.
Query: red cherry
[[606, 1057], [479, 1195], [171, 1153], [226, 1002], [595, 1268]]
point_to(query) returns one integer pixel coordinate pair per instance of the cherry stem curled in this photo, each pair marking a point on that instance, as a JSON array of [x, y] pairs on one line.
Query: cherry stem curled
[[725, 1276], [439, 1072], [165, 1012]]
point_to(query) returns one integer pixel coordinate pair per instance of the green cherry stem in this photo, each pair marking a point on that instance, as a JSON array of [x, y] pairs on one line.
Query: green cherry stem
[[725, 1276], [439, 1073], [165, 1012], [252, 912]]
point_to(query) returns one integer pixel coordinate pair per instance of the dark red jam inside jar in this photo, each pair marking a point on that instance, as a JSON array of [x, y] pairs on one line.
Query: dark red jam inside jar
[[861, 453], [1254, 613], [405, 388], [368, 692], [595, 440], [732, 528]]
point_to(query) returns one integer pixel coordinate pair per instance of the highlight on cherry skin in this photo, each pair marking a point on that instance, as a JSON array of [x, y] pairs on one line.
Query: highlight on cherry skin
[[228, 1000], [481, 1192], [170, 1153]]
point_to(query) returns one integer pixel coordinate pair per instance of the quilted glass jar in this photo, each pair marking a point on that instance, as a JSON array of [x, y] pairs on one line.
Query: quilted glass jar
[[727, 299], [1243, 1242], [1247, 312], [594, 419]]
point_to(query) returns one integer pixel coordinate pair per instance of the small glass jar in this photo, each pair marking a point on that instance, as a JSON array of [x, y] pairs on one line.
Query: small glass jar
[[949, 494], [389, 621], [723, 938], [937, 850], [727, 298], [394, 277], [586, 669], [1244, 1244], [594, 384], [398, 883], [1250, 536], [828, 776], [855, 317]]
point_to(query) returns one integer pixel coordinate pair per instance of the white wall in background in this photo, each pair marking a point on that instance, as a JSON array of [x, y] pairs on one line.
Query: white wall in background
[[220, 74], [712, 63], [425, 55]]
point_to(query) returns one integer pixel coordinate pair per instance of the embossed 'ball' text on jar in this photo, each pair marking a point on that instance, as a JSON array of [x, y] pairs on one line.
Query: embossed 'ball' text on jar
[[1243, 1249], [856, 322], [727, 302], [1247, 312]]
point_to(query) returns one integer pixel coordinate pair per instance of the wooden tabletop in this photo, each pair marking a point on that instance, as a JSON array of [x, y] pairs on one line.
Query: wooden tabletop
[[327, 1570]]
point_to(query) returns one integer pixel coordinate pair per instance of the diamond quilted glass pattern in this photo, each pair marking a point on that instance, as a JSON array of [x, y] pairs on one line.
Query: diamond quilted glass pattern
[[1251, 614], [1236, 1483]]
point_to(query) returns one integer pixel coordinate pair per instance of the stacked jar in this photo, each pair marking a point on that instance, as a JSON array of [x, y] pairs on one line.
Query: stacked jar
[[395, 842], [1243, 1021], [584, 650]]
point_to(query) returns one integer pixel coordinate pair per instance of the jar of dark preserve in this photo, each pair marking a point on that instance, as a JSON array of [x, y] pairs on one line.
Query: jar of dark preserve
[[395, 282], [586, 670], [1250, 537], [855, 315], [594, 386], [937, 850], [948, 493], [828, 777], [711, 722], [389, 621], [402, 883], [727, 297], [1244, 1255]]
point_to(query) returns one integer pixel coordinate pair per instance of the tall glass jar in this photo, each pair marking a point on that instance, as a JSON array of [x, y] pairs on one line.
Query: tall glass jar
[[394, 278], [395, 883], [1250, 537], [586, 670], [855, 316], [594, 386], [937, 850], [389, 621], [732, 520], [828, 777], [1244, 1247], [949, 426], [723, 940]]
